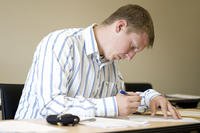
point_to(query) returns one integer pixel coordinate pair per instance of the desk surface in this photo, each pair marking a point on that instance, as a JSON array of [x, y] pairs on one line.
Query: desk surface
[[151, 127]]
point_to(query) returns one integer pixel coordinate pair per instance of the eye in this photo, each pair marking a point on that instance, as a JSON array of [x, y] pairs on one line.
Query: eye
[[133, 47], [136, 49]]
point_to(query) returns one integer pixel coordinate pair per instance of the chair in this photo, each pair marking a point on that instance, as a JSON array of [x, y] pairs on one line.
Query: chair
[[137, 86], [10, 96], [178, 102]]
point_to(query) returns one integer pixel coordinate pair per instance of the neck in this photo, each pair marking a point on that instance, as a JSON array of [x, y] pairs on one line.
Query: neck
[[100, 38]]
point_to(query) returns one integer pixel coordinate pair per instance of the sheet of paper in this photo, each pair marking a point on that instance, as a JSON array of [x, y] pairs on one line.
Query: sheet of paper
[[185, 112], [183, 96], [87, 119], [25, 127], [190, 113], [160, 119], [113, 123]]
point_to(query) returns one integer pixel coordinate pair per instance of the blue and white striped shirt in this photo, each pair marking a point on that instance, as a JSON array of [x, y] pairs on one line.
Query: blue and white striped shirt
[[68, 76]]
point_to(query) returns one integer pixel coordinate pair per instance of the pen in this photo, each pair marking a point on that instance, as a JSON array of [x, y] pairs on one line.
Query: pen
[[123, 92], [140, 108]]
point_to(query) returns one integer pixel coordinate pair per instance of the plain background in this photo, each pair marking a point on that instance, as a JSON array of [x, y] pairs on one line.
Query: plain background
[[172, 66]]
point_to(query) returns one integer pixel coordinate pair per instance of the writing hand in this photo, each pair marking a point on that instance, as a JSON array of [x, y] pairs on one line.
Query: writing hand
[[128, 104]]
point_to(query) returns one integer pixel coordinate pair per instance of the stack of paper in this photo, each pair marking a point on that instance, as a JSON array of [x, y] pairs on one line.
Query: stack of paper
[[190, 113], [132, 121], [184, 113], [160, 119], [113, 123], [183, 96]]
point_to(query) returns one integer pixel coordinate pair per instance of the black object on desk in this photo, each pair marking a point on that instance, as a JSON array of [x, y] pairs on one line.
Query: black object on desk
[[63, 120]]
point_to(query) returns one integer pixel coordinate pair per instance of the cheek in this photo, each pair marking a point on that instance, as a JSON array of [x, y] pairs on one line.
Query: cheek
[[123, 48], [122, 45]]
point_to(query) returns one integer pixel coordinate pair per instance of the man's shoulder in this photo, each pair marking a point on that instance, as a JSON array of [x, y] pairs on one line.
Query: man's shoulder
[[61, 34], [67, 31]]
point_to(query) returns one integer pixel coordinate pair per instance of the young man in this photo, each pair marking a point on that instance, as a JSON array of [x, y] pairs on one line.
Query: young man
[[74, 70]]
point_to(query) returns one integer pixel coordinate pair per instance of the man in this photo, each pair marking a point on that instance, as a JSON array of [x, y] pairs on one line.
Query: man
[[74, 70]]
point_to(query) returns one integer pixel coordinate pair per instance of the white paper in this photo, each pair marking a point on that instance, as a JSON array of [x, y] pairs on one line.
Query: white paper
[[184, 113], [183, 96], [190, 113], [25, 127], [161, 119], [90, 119], [113, 123]]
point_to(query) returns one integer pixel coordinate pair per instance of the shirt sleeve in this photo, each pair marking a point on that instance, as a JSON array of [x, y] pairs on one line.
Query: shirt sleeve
[[81, 106], [53, 85]]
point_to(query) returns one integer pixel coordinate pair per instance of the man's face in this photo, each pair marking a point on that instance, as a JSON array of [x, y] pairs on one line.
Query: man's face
[[126, 45]]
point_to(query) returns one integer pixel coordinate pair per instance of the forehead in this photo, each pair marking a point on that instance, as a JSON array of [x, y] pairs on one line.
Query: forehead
[[140, 38]]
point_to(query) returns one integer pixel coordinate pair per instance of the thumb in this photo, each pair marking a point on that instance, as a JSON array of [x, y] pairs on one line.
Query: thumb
[[132, 94]]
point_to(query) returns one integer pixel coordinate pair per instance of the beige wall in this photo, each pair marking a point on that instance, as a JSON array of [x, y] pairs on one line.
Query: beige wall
[[172, 66]]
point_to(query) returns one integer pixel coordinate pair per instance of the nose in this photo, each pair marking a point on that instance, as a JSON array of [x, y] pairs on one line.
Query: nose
[[130, 55]]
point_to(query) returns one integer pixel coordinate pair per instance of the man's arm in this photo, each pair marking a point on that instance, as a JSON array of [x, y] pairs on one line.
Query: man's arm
[[81, 106], [57, 68], [139, 102]]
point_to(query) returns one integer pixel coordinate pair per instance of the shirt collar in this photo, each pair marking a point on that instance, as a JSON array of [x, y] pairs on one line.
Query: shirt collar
[[91, 47], [90, 41]]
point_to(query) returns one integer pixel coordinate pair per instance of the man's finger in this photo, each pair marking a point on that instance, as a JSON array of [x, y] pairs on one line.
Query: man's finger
[[175, 114], [134, 105], [132, 94], [179, 115], [172, 111], [164, 108], [153, 108], [134, 98]]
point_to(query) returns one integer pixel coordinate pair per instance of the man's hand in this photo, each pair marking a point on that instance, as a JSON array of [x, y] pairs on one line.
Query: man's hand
[[128, 104], [165, 105]]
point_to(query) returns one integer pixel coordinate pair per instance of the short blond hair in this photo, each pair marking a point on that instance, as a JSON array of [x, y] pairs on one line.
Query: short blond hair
[[137, 17]]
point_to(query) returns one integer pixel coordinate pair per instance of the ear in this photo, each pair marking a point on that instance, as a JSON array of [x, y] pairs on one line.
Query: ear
[[120, 25]]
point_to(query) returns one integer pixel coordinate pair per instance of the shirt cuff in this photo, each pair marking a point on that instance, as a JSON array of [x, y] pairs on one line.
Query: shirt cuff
[[149, 95], [107, 107]]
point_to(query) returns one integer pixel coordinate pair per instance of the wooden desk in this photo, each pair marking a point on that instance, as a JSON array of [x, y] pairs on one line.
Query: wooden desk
[[165, 127]]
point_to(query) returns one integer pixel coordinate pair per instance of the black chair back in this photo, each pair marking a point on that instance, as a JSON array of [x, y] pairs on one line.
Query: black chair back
[[137, 86], [10, 96]]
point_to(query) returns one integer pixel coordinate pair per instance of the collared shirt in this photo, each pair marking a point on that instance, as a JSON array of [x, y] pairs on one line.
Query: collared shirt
[[69, 76]]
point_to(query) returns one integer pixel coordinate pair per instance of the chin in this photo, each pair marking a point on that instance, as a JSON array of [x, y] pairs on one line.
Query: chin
[[110, 58], [116, 59], [113, 59]]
